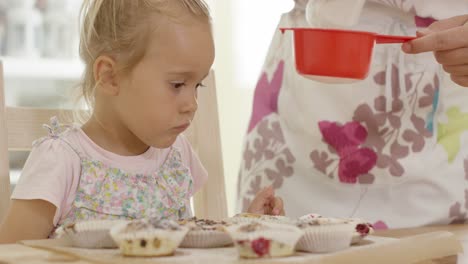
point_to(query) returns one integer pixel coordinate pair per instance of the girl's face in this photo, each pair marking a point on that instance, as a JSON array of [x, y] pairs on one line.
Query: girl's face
[[158, 98]]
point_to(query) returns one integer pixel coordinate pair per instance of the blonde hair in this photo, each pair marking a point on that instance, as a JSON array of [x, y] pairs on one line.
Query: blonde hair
[[117, 28]]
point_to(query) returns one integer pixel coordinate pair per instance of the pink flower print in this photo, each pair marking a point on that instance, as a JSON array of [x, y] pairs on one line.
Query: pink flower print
[[423, 22], [266, 96], [346, 140], [380, 225]]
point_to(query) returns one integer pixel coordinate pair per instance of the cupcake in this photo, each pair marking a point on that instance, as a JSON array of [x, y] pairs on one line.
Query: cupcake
[[325, 236], [149, 237], [90, 234], [264, 240], [362, 228], [204, 233]]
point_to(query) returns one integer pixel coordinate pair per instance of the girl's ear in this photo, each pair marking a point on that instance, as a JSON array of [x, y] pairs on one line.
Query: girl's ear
[[105, 75]]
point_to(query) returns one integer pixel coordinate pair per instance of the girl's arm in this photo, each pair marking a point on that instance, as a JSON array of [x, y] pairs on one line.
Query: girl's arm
[[27, 219], [48, 176]]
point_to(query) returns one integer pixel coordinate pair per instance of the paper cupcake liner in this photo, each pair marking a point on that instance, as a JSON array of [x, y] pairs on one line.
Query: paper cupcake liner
[[267, 249], [149, 241], [91, 234], [285, 237], [356, 239], [357, 236], [287, 234], [206, 239], [326, 238]]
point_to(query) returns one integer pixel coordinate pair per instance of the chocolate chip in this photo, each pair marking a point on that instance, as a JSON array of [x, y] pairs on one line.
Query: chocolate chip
[[143, 243]]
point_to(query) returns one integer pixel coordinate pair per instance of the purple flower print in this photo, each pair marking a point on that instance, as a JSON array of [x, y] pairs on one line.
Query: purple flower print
[[346, 140], [266, 96]]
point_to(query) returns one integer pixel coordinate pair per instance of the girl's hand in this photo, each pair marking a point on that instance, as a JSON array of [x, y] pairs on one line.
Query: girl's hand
[[448, 39], [265, 202]]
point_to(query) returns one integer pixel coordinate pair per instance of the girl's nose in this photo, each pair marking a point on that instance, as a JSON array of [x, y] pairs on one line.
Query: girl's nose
[[191, 102]]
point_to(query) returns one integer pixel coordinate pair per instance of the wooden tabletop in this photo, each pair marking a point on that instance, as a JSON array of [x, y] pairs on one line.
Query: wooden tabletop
[[459, 230], [16, 253]]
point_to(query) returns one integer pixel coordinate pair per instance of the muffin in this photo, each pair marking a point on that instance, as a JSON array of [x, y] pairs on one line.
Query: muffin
[[90, 234], [325, 235], [204, 233], [264, 240], [149, 237]]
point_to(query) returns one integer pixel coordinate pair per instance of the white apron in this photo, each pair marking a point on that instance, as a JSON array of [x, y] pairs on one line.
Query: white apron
[[392, 149]]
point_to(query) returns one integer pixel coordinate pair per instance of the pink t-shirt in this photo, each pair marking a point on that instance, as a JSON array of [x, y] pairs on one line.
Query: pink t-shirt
[[52, 171]]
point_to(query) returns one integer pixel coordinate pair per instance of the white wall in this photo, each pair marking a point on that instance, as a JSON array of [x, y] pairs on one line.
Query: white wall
[[243, 30]]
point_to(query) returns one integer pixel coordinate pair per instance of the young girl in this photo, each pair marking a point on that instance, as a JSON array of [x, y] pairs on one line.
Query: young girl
[[145, 60]]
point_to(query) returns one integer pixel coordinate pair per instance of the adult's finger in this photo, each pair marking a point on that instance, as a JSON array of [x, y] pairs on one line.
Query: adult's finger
[[265, 194], [443, 40], [283, 213], [452, 57], [262, 198], [278, 206], [460, 80], [457, 69], [445, 24]]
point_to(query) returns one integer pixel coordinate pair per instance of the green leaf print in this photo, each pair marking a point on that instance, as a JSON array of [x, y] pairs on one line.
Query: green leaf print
[[449, 133]]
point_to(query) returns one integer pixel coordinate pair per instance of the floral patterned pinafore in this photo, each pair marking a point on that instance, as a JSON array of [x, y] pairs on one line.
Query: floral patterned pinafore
[[106, 192]]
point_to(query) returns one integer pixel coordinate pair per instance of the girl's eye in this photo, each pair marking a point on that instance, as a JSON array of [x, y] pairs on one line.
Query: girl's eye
[[178, 85], [181, 85]]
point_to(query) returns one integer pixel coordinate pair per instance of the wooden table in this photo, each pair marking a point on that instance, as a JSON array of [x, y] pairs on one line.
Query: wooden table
[[461, 231], [22, 254]]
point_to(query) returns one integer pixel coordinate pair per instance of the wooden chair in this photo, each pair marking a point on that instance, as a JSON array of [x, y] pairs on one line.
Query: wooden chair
[[19, 127]]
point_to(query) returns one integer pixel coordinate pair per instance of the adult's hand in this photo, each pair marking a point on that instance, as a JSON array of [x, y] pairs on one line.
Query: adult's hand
[[265, 202], [448, 39]]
